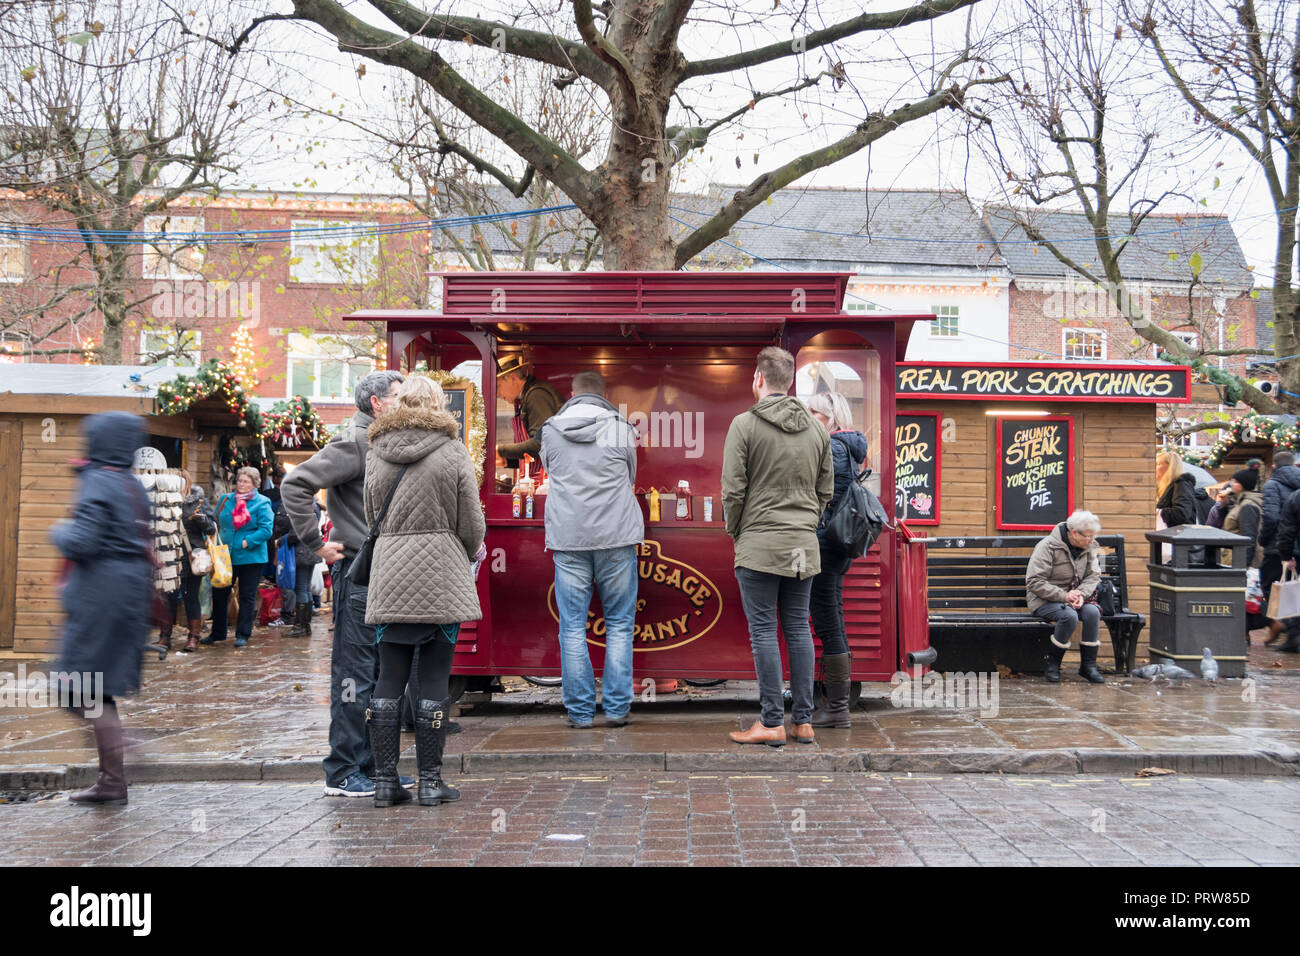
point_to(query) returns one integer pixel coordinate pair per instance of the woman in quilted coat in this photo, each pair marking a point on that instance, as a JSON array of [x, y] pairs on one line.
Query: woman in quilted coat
[[421, 581]]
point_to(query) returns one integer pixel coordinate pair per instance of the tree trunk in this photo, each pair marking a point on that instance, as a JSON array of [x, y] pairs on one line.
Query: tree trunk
[[1286, 304], [113, 305]]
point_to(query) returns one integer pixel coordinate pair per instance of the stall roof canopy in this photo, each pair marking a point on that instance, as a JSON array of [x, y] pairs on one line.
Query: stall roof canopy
[[683, 306], [82, 389], [105, 381]]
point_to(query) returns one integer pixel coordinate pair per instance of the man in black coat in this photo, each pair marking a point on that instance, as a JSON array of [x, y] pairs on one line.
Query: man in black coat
[[1283, 483], [1286, 541]]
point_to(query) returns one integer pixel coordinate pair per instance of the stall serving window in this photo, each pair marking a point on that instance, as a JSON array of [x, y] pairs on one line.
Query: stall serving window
[[680, 400], [855, 374]]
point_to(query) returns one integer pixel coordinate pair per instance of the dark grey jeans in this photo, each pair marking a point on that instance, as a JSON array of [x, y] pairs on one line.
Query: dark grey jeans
[[1067, 619], [354, 667], [766, 597]]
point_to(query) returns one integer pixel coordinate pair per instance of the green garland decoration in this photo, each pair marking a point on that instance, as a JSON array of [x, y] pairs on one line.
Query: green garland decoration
[[292, 423], [1283, 437], [477, 419], [212, 378]]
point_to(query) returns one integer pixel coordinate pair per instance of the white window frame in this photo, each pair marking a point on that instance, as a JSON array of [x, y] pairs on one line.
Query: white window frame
[[1191, 338], [192, 352], [310, 261], [8, 342], [160, 260], [12, 246], [1066, 349], [299, 351], [1181, 441], [939, 323]]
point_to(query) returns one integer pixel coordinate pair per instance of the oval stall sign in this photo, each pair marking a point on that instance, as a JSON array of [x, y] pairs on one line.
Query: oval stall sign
[[676, 603]]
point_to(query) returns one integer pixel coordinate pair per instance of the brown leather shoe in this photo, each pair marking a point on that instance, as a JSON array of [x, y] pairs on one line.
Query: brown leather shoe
[[758, 734], [803, 733]]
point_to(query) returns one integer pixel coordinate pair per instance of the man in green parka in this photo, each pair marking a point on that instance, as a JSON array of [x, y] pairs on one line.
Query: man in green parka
[[777, 478]]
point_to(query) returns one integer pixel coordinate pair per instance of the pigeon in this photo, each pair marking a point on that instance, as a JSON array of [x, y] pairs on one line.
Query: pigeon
[[1150, 672], [1172, 672], [1209, 667]]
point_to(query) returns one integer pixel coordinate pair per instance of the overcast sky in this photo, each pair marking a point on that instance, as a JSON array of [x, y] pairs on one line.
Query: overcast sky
[[886, 70]]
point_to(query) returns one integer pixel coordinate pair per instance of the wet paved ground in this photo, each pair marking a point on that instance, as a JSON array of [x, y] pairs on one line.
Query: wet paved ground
[[262, 713], [662, 818]]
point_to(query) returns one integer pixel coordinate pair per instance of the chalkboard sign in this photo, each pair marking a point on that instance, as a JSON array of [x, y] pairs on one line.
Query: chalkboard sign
[[460, 399], [1035, 472], [916, 468]]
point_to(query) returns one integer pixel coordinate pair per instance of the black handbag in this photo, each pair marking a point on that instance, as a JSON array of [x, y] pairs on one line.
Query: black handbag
[[359, 569], [1107, 599], [858, 520]]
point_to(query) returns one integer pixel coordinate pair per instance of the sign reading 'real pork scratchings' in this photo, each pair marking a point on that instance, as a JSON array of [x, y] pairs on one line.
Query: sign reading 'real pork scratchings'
[[916, 467], [1036, 381], [1035, 473]]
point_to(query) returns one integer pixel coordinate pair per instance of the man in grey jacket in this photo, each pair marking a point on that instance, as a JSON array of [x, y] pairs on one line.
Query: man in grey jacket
[[340, 468], [593, 526]]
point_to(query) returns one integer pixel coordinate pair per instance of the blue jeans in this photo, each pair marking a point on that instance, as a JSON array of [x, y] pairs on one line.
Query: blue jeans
[[354, 667], [613, 570], [302, 583], [764, 597]]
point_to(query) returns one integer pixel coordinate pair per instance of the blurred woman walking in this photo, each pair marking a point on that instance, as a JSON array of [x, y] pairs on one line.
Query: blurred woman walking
[[108, 592]]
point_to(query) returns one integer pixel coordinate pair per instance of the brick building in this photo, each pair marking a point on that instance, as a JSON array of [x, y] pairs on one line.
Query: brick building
[[285, 270], [1057, 315]]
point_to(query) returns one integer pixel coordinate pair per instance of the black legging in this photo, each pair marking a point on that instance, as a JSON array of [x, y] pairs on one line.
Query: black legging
[[826, 607], [432, 675]]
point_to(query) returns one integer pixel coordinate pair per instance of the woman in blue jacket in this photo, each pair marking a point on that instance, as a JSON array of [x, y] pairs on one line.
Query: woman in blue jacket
[[245, 520]]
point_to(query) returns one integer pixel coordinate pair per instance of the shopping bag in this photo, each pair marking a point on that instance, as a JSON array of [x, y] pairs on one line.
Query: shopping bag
[[271, 601], [286, 566], [1284, 598], [222, 570], [1254, 592], [318, 579]]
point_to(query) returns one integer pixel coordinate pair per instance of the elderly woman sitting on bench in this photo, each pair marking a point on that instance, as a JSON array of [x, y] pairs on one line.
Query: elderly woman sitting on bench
[[1062, 583]]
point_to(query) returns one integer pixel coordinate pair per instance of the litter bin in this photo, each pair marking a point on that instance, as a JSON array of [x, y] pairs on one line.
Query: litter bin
[[1197, 601]]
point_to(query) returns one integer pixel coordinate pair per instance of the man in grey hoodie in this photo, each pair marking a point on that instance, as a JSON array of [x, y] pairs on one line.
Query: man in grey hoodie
[[777, 478], [340, 468], [593, 527]]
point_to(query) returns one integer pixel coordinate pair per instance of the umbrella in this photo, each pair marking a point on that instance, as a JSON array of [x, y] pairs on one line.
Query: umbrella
[[1203, 477]]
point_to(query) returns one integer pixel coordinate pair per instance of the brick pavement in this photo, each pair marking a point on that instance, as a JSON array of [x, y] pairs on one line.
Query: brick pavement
[[665, 818], [262, 714]]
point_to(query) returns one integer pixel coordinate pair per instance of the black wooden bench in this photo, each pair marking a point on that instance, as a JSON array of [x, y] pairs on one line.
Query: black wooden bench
[[979, 612]]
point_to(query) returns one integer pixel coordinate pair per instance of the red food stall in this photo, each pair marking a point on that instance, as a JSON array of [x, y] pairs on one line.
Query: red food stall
[[677, 351]]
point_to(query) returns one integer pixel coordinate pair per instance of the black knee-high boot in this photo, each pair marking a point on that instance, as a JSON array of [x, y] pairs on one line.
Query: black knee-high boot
[[430, 737], [384, 718]]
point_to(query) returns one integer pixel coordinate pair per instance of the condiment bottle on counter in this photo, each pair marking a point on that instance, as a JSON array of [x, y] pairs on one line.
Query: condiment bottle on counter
[[683, 501], [708, 509], [526, 489], [516, 501], [653, 498]]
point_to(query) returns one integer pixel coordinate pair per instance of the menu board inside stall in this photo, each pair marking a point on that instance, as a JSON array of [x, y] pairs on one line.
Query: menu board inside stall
[[460, 398], [916, 468], [1035, 477]]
